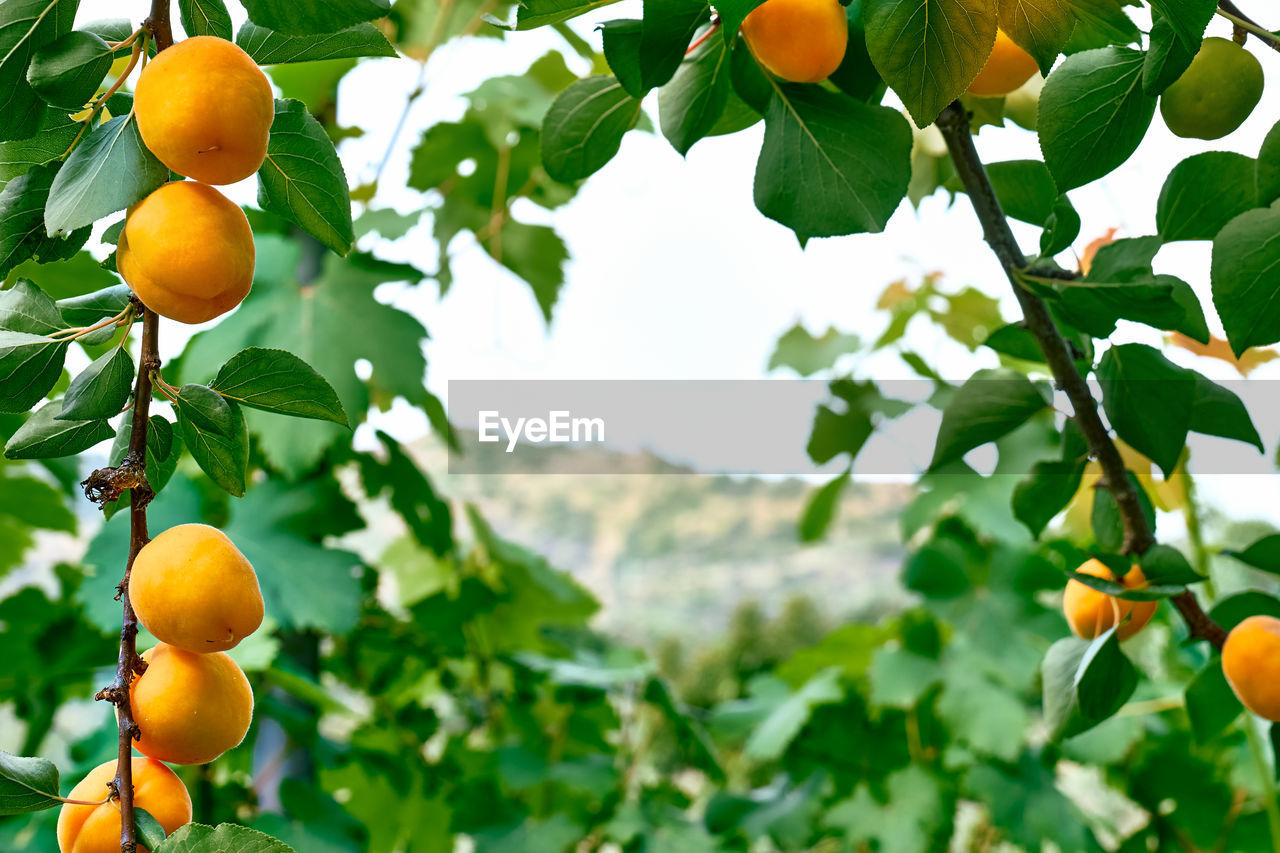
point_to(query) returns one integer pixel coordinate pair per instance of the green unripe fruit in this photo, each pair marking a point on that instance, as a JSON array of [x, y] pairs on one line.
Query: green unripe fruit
[[1216, 93]]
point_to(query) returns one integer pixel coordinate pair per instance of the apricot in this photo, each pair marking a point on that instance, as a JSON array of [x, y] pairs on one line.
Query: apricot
[[190, 708], [1091, 613], [1216, 93], [96, 829], [1251, 662], [192, 588], [205, 110], [803, 41], [187, 252], [1007, 68]]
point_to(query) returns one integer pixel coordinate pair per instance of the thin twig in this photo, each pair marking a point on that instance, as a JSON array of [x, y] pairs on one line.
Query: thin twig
[[1138, 536], [1230, 11]]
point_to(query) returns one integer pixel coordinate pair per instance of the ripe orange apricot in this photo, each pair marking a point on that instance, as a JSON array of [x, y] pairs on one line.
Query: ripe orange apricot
[[96, 829], [192, 588], [1090, 612], [1251, 662], [1007, 68], [205, 109], [190, 708], [187, 252], [803, 41]]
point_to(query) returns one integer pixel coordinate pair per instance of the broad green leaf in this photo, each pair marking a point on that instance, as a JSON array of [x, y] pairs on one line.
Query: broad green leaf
[[1040, 27], [25, 27], [213, 430], [1203, 193], [732, 14], [45, 436], [1093, 114], [1188, 18], [150, 832], [22, 234], [1161, 301], [108, 171], [1060, 229], [1211, 703], [27, 784], [55, 135], [770, 739], [537, 254], [1167, 57], [583, 130], [197, 838], [1164, 565], [67, 71], [1263, 554], [646, 54], [277, 381], [1148, 401], [820, 510], [78, 275], [991, 404], [1268, 168], [205, 18], [1245, 275], [270, 48], [929, 51], [1084, 683], [163, 450], [302, 178], [1024, 187], [1234, 609], [412, 496], [845, 432], [808, 354], [30, 361], [1046, 491], [1220, 412], [531, 14], [317, 17], [1100, 23], [693, 102], [101, 389], [1108, 530], [909, 819], [93, 307], [831, 165]]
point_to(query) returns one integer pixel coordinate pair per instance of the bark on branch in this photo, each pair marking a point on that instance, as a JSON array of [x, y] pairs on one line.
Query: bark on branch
[[1138, 536]]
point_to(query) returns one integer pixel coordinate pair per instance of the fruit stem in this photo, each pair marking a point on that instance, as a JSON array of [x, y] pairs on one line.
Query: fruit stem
[[1232, 13], [1138, 535], [702, 39]]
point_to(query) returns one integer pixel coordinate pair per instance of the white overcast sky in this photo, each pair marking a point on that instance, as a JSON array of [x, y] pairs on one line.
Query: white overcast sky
[[675, 275]]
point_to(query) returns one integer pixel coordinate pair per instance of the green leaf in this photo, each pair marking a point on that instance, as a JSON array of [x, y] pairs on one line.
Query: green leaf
[[278, 381], [163, 450], [770, 739], [1220, 412], [1189, 18], [1040, 27], [109, 170], [30, 362], [1148, 401], [270, 48], [908, 821], [1084, 683], [22, 234], [831, 165], [929, 51], [197, 838], [1093, 114], [214, 432], [820, 510], [808, 354], [316, 17], [1167, 58], [412, 496], [583, 130], [1234, 609], [1211, 703], [1100, 23], [55, 135], [302, 178], [990, 405], [27, 784], [92, 307], [531, 14], [536, 254], [1108, 530], [648, 55], [45, 436], [101, 389], [67, 71], [150, 832], [732, 14], [1046, 491], [1268, 176], [205, 18], [1164, 565], [25, 27], [690, 106], [1203, 193], [1263, 554], [1245, 275]]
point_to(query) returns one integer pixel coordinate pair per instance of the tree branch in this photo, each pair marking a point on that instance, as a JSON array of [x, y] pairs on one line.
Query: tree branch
[[1138, 536], [1232, 12]]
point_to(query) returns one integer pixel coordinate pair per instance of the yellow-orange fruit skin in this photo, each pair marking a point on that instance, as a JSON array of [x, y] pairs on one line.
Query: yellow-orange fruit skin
[[1090, 612], [96, 829], [187, 252], [190, 708], [192, 588], [205, 110], [803, 41], [1251, 662], [1007, 68]]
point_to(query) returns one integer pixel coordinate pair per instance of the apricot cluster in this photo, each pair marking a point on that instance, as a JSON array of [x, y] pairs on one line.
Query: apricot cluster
[[194, 590], [205, 110]]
